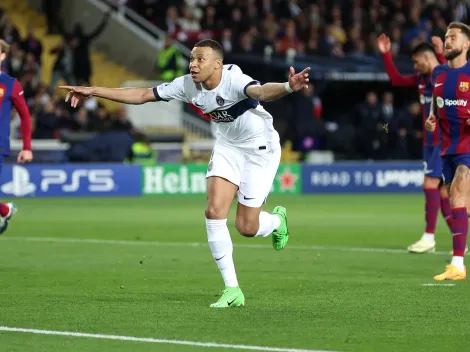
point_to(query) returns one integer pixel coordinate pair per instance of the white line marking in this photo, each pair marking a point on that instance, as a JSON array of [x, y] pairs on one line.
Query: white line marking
[[449, 285], [152, 340], [203, 244]]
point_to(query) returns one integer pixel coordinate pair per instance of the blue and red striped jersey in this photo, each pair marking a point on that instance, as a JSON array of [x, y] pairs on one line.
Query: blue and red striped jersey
[[423, 82], [451, 88], [430, 139]]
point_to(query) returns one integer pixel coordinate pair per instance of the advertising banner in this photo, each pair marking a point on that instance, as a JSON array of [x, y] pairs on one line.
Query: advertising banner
[[70, 180], [363, 177], [191, 179]]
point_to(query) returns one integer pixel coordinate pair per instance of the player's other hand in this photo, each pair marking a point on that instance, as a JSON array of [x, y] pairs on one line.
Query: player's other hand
[[297, 81], [438, 44], [384, 44], [25, 156], [430, 124], [77, 94]]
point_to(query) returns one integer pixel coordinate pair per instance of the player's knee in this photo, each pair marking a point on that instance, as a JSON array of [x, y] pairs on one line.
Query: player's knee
[[215, 213], [246, 228]]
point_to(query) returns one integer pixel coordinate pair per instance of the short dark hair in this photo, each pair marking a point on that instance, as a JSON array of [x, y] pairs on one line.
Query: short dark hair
[[209, 43], [462, 26], [423, 48]]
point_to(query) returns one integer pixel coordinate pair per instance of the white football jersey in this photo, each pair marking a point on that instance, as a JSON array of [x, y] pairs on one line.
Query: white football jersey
[[239, 120]]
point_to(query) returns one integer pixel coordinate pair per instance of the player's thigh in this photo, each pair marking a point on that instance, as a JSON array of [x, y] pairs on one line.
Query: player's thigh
[[256, 182], [223, 178], [460, 187], [432, 167], [257, 177], [448, 171]]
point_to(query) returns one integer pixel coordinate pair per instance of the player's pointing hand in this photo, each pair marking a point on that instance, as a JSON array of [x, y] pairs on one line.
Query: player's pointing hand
[[77, 94], [431, 123], [297, 81]]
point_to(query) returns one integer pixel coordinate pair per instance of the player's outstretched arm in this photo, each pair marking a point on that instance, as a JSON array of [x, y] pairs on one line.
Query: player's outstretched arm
[[438, 45], [17, 97], [273, 91], [384, 45], [121, 95]]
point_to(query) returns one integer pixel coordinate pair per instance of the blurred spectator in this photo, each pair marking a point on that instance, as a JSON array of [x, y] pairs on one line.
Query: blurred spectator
[[32, 45], [82, 69], [369, 124], [52, 8], [65, 63], [169, 61], [121, 122], [100, 120]]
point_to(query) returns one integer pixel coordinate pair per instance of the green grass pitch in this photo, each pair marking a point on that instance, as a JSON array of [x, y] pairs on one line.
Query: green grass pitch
[[332, 288]]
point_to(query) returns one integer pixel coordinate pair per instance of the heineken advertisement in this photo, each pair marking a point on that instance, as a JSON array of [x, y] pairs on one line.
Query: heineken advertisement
[[191, 179], [288, 179]]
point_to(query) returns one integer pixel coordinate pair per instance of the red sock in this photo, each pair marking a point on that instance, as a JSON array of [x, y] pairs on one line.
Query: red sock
[[459, 231], [447, 212], [4, 210], [431, 209]]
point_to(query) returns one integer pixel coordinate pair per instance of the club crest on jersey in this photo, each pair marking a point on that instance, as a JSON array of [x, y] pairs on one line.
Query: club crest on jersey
[[463, 87], [220, 100], [2, 91]]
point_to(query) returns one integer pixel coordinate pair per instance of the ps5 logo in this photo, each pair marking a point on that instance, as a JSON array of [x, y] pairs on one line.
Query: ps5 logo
[[20, 184], [96, 180]]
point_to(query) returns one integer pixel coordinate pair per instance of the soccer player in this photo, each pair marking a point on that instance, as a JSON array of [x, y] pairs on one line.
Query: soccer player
[[451, 98], [425, 59], [246, 154], [11, 94]]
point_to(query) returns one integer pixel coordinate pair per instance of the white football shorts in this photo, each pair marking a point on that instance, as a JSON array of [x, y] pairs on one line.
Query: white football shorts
[[253, 171]]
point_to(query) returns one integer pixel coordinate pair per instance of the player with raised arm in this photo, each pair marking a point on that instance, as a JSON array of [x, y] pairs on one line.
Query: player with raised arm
[[451, 98], [11, 95], [246, 153], [425, 58]]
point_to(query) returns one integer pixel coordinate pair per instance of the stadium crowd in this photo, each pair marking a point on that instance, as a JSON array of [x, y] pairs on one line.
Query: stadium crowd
[[341, 28], [331, 28], [49, 112]]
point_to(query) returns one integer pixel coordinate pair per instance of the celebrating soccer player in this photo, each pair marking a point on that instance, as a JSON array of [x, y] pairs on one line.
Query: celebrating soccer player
[[246, 154], [425, 59], [11, 94], [451, 97]]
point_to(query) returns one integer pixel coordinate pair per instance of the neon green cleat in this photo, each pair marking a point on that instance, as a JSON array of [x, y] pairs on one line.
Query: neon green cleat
[[231, 297], [280, 236]]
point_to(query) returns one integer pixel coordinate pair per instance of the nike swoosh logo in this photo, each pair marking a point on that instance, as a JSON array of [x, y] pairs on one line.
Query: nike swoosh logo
[[429, 171], [230, 302], [217, 259], [247, 198], [438, 85]]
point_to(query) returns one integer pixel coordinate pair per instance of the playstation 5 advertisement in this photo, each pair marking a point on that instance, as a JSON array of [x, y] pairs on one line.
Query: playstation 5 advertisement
[[70, 180]]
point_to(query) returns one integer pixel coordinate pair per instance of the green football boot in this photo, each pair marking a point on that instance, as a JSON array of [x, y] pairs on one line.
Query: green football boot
[[231, 297], [280, 236]]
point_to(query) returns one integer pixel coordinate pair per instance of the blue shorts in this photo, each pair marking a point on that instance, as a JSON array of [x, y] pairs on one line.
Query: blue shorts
[[432, 161], [450, 163]]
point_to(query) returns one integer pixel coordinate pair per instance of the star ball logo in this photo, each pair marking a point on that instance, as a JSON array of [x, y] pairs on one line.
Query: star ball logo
[[287, 179]]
